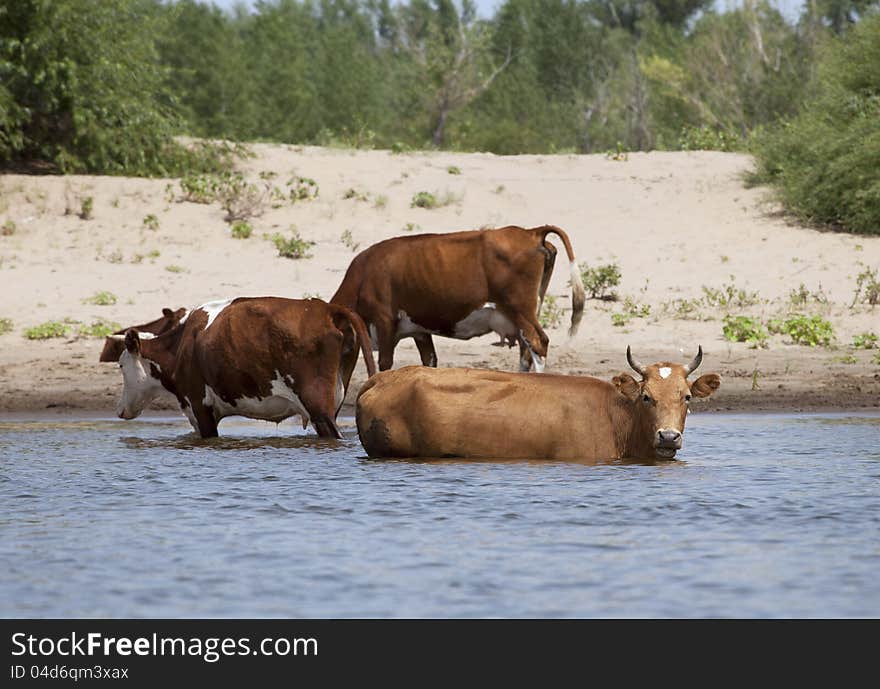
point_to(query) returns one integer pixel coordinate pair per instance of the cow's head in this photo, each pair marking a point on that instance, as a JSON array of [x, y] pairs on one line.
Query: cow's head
[[114, 344], [141, 382], [661, 399]]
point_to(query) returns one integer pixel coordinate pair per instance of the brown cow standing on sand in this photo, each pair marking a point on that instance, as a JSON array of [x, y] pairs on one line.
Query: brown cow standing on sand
[[260, 357], [460, 285], [459, 412], [114, 344]]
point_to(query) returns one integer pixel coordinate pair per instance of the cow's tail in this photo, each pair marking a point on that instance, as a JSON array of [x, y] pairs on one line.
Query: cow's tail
[[363, 336], [578, 296]]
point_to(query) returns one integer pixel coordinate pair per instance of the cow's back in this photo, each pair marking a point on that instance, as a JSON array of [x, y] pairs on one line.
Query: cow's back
[[424, 412]]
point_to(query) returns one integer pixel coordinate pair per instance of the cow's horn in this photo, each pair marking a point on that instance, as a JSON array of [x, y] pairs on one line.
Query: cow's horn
[[118, 338], [691, 367], [637, 366]]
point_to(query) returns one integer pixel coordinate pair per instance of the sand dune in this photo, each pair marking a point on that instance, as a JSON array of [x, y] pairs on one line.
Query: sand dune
[[674, 222]]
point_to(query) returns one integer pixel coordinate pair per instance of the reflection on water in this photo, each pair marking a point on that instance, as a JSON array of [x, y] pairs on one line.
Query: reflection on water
[[767, 516]]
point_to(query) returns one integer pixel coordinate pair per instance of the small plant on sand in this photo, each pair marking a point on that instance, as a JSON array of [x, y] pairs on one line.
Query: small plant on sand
[[98, 328], [175, 269], [845, 359], [348, 240], [599, 282], [5, 325], [48, 330], [812, 331], [302, 189], [399, 147], [453, 170], [294, 247], [551, 312], [729, 295], [115, 256], [353, 193], [802, 296], [8, 228], [619, 153], [424, 199], [745, 329], [630, 309], [411, 227], [867, 288], [101, 299], [200, 188], [86, 208], [684, 309], [865, 340], [241, 230], [151, 222]]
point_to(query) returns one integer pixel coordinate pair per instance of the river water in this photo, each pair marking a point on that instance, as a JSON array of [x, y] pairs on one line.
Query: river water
[[762, 516]]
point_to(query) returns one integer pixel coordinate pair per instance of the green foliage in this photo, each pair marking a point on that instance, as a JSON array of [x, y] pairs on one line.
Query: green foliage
[[353, 193], [411, 227], [348, 240], [729, 295], [87, 206], [453, 170], [302, 188], [865, 340], [48, 330], [294, 247], [805, 330], [241, 230], [8, 228], [599, 282], [98, 328], [803, 296], [5, 325], [867, 288], [823, 162], [173, 268], [101, 299], [424, 199], [151, 222], [745, 329], [630, 309], [705, 138], [551, 312]]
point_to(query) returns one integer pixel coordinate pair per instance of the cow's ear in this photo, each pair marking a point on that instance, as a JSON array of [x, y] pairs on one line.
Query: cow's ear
[[627, 386], [706, 385], [133, 342], [168, 313]]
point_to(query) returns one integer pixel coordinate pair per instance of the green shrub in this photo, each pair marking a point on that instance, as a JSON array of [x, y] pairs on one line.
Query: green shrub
[[551, 312], [101, 299], [87, 206], [745, 329], [241, 230], [453, 170], [729, 295], [48, 330], [8, 228], [348, 240], [151, 222], [294, 247], [599, 282], [865, 340], [802, 296], [353, 193], [867, 288], [302, 189], [630, 309], [705, 138], [823, 163], [5, 325], [411, 227], [424, 199], [175, 269], [98, 328], [805, 330]]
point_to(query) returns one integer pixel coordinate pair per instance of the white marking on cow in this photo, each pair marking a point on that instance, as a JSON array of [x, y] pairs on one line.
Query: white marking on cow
[[374, 337], [213, 309], [139, 386], [484, 320], [281, 403], [407, 328], [665, 372], [188, 413], [185, 316], [538, 361]]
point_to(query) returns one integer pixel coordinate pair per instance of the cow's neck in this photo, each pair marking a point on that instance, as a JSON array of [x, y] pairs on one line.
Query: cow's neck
[[162, 351], [638, 444]]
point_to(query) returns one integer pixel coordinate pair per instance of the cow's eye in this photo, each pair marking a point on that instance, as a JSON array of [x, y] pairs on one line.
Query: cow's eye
[[120, 365], [687, 398], [647, 399]]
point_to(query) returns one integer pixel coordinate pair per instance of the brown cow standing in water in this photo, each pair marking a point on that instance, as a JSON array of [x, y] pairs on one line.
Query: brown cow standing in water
[[263, 357], [460, 285], [455, 412], [114, 344]]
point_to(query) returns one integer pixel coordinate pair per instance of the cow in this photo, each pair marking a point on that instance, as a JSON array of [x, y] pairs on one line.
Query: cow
[[460, 285], [114, 344], [475, 413], [260, 357]]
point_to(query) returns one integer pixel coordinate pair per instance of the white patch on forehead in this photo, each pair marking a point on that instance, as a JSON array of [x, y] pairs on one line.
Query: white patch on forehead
[[665, 371], [213, 309]]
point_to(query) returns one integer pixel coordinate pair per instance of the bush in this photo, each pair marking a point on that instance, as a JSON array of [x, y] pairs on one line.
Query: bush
[[705, 138], [151, 222], [823, 162], [551, 312], [805, 330], [241, 230], [98, 328], [294, 247], [8, 228], [424, 199], [729, 295], [745, 329], [599, 282], [867, 288], [630, 309], [48, 330], [5, 325], [101, 299], [866, 340]]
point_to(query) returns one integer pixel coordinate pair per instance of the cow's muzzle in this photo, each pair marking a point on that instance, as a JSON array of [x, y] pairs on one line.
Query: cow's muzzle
[[667, 442]]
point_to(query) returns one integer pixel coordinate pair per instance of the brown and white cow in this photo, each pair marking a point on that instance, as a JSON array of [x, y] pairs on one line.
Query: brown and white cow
[[114, 344], [459, 412], [260, 357], [459, 285]]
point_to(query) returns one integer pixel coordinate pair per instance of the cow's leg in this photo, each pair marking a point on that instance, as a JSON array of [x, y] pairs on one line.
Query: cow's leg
[[386, 336], [204, 416], [534, 339], [426, 349]]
